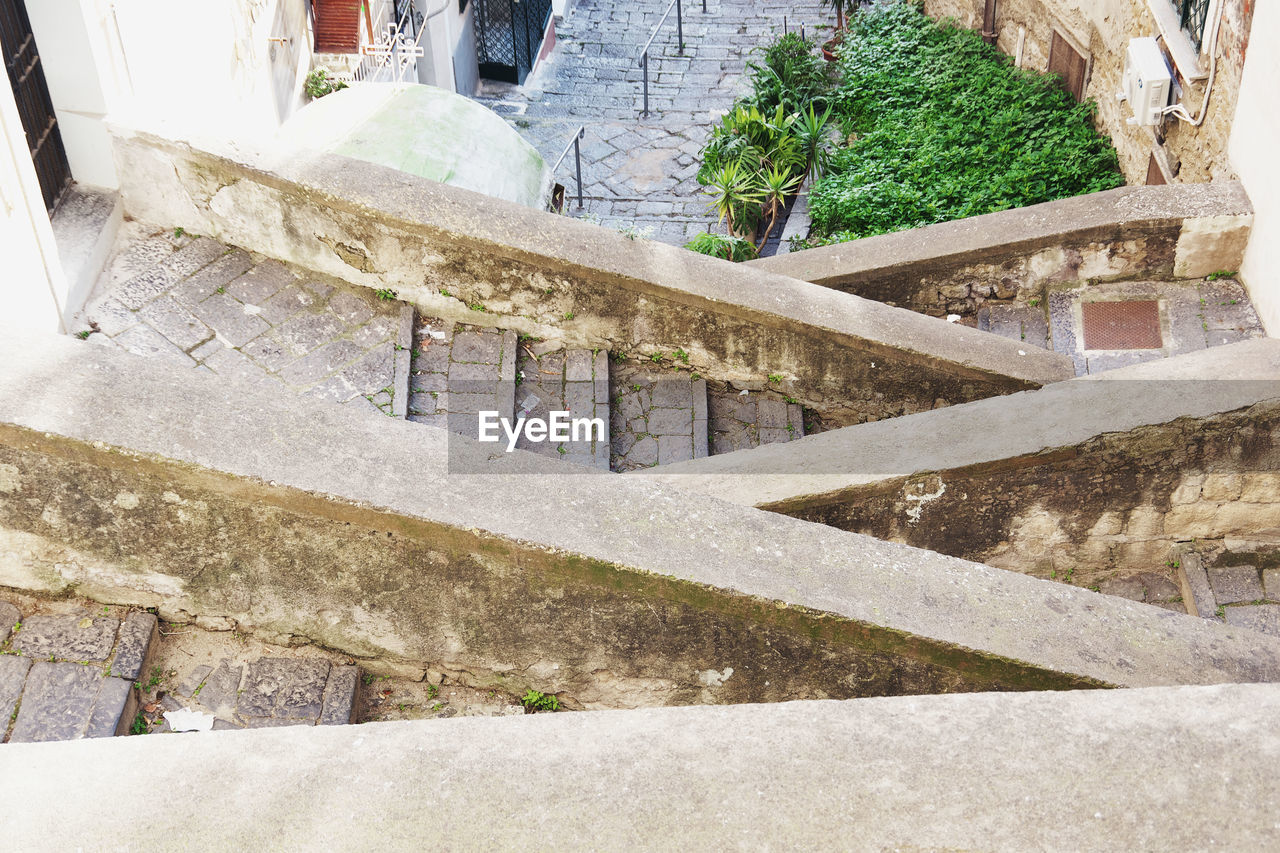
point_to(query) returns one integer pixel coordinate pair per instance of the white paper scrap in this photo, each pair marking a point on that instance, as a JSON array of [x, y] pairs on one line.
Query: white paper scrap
[[187, 720]]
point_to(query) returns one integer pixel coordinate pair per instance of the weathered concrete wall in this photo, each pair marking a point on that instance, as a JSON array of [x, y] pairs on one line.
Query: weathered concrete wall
[[1127, 234], [1252, 149], [1102, 28], [1185, 768], [471, 258], [131, 481], [1087, 481]]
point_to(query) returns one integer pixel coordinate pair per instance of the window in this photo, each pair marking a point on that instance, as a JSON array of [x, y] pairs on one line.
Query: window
[[1191, 17]]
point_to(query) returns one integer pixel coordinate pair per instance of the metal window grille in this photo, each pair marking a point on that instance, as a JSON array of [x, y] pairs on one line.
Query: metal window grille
[[1192, 15]]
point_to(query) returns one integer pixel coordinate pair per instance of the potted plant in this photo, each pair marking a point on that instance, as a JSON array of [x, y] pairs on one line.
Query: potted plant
[[829, 46]]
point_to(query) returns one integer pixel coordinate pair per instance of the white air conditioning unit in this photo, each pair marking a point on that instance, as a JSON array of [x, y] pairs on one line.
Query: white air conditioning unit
[[1147, 81]]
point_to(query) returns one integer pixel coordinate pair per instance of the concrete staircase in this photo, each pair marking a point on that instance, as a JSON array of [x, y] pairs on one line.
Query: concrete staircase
[[632, 413], [1115, 324], [218, 309]]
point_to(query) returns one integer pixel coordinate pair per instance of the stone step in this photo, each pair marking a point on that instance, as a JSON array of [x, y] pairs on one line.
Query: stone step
[[574, 381], [71, 676], [740, 420], [268, 692], [656, 417], [458, 371], [1016, 322], [212, 307]]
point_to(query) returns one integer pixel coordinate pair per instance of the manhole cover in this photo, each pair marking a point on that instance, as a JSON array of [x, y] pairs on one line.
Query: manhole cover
[[1122, 325]]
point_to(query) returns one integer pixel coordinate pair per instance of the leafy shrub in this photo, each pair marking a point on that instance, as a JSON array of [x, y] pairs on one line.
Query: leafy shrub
[[320, 83], [792, 75], [941, 126], [723, 246]]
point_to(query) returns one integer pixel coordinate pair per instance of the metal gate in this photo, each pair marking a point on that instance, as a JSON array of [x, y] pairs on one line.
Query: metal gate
[[509, 36], [26, 77]]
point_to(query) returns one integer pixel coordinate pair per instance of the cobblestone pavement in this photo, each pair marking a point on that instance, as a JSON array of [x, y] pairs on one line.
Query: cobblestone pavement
[[640, 170], [1192, 316], [216, 308], [70, 676]]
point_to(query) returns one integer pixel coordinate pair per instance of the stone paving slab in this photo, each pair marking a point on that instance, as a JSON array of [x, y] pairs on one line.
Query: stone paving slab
[[741, 420], [215, 308], [54, 673], [269, 692], [458, 371], [66, 637], [1235, 584], [656, 418], [1262, 617], [574, 381], [9, 617]]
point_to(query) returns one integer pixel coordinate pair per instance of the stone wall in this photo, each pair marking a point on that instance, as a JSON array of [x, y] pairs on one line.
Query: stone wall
[[1127, 234], [130, 481], [467, 257], [1089, 480], [1103, 28]]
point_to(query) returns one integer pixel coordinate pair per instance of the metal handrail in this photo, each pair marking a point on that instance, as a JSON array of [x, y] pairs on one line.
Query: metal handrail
[[644, 53], [577, 158]]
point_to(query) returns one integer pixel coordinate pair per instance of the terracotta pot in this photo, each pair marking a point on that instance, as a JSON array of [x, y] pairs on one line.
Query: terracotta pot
[[829, 47]]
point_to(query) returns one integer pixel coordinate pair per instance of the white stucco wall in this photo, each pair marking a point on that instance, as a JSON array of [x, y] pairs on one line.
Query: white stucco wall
[[207, 67], [1253, 156], [212, 67]]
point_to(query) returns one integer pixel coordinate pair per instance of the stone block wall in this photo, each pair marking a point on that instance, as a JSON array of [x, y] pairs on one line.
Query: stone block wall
[[1103, 28], [1110, 508], [1127, 234]]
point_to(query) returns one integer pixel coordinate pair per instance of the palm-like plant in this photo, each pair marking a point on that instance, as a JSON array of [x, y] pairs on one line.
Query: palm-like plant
[[775, 186], [838, 5], [736, 198], [814, 142]]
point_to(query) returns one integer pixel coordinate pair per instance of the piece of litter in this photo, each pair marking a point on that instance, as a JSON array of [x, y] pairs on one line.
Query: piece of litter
[[439, 336], [953, 318], [1022, 352], [742, 393], [187, 720], [529, 404]]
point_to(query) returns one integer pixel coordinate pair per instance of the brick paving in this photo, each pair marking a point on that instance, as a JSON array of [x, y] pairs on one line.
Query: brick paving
[[219, 309], [1191, 315], [640, 170], [573, 381]]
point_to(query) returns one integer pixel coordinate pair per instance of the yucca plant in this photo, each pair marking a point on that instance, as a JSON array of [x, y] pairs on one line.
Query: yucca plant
[[736, 198], [776, 186], [814, 141]]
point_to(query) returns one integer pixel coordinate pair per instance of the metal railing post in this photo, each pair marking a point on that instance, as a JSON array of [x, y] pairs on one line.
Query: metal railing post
[[577, 162], [679, 28], [644, 61]]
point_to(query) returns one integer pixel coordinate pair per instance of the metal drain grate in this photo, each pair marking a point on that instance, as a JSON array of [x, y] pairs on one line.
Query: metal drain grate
[[1122, 325]]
